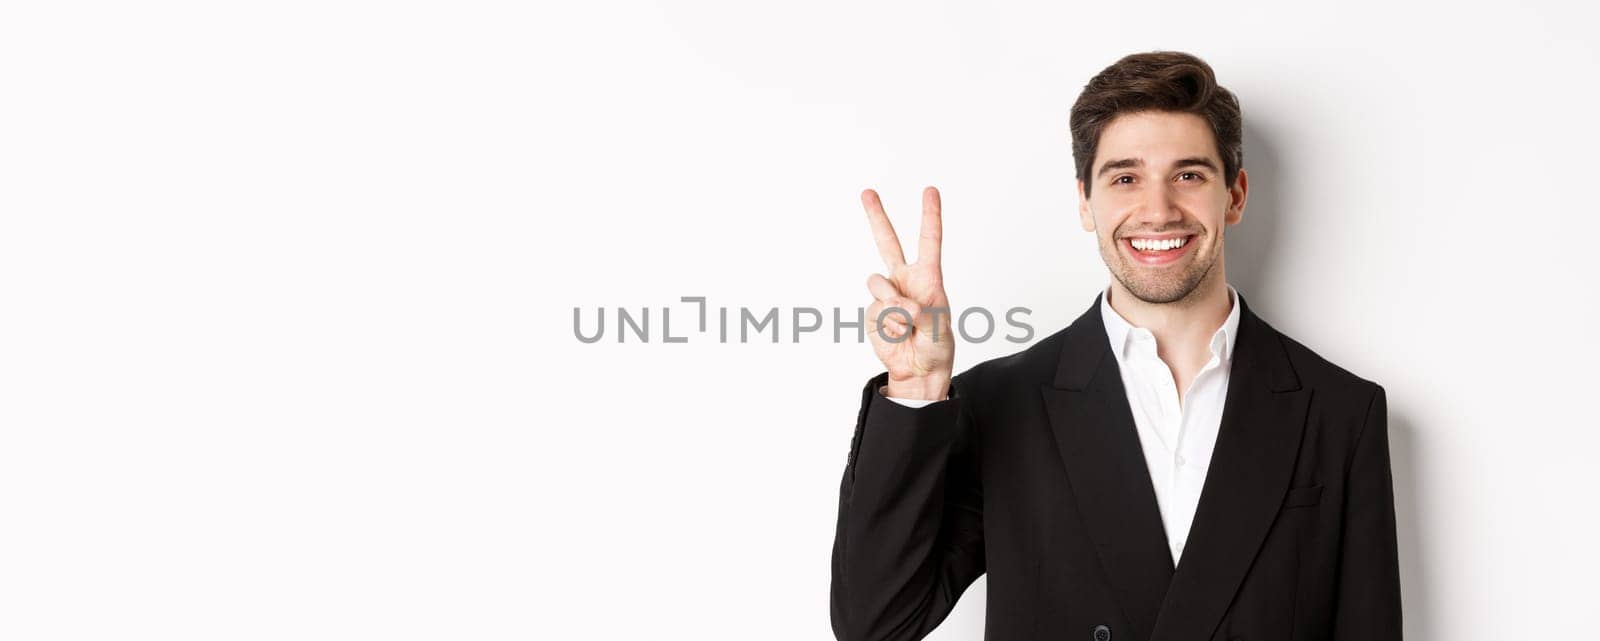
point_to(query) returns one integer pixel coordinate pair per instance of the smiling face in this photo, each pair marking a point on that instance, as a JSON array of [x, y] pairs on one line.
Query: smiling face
[[1159, 204]]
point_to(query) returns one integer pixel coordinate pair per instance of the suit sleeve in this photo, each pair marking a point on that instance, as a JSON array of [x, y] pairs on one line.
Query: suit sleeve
[[909, 536], [1368, 606]]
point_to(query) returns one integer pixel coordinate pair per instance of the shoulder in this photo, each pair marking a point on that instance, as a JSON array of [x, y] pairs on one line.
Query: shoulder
[[1335, 387], [1026, 368]]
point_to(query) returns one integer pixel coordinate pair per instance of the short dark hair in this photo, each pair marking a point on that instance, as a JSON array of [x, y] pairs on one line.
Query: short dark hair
[[1156, 81]]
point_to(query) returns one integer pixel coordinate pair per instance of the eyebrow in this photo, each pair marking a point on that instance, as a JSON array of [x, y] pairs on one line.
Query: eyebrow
[[1125, 163]]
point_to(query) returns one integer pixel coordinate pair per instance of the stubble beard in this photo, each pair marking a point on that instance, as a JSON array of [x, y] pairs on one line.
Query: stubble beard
[[1160, 288]]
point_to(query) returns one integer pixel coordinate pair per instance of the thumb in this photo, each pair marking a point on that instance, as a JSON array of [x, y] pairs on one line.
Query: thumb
[[933, 318]]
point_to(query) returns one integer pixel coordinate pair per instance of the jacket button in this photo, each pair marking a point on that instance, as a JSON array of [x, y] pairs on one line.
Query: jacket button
[[1102, 632]]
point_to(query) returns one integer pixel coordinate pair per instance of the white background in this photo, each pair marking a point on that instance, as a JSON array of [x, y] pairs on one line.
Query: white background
[[286, 293]]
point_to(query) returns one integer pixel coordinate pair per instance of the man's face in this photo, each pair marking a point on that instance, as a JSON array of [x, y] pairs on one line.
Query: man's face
[[1159, 205]]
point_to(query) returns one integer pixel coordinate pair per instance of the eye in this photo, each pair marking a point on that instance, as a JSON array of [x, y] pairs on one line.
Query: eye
[[1196, 174], [1118, 179]]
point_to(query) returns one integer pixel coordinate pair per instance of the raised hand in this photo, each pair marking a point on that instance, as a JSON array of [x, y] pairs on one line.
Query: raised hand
[[919, 356]]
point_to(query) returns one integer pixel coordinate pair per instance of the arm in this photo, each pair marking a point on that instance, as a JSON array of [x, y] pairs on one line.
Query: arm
[[909, 538], [1368, 606]]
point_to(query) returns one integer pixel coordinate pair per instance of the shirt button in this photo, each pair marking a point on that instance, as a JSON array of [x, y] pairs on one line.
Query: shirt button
[[1180, 460]]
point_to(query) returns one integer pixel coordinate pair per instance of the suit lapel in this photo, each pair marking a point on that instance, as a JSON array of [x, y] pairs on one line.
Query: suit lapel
[[1099, 446], [1263, 419]]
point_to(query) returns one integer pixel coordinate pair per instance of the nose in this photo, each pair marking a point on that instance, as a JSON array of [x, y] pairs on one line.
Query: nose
[[1159, 209]]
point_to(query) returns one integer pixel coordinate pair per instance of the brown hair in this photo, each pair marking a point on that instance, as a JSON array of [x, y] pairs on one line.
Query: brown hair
[[1156, 81]]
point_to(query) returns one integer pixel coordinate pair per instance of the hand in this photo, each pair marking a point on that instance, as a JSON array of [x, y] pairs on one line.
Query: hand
[[919, 356]]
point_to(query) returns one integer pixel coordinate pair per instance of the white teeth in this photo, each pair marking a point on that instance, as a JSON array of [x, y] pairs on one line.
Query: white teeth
[[1145, 244]]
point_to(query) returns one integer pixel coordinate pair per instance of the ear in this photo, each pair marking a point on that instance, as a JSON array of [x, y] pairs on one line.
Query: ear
[[1236, 199], [1085, 216]]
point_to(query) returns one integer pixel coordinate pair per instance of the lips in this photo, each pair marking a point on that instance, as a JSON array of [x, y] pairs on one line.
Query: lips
[[1157, 250]]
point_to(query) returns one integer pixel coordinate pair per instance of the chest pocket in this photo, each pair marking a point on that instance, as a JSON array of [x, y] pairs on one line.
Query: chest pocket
[[1303, 496]]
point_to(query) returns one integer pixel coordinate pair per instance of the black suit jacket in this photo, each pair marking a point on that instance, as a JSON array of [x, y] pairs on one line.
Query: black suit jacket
[[1032, 472]]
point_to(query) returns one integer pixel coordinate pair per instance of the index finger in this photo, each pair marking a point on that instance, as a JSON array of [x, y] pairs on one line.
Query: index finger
[[882, 231], [932, 228]]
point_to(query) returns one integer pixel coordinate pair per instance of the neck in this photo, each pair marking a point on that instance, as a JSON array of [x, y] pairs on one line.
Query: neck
[[1183, 326]]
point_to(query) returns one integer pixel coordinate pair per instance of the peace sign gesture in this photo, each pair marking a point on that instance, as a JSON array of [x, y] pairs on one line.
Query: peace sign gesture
[[919, 355]]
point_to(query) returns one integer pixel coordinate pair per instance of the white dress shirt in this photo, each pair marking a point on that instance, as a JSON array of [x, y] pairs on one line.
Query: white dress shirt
[[1177, 438]]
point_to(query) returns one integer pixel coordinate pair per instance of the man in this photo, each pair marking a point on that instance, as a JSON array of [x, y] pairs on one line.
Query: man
[[1167, 467]]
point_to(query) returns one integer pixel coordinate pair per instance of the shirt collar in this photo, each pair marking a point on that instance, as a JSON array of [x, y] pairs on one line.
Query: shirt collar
[[1119, 330]]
